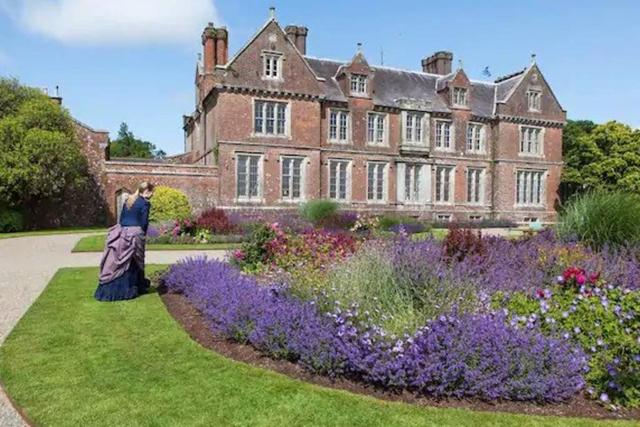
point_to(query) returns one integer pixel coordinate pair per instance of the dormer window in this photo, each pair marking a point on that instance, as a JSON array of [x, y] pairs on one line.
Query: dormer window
[[460, 96], [358, 85], [272, 66], [534, 98]]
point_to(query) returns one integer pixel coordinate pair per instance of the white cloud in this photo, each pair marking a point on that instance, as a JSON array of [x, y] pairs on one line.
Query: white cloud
[[114, 22]]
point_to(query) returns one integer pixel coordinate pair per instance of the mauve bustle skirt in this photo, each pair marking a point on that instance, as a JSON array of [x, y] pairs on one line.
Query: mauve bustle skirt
[[122, 265]]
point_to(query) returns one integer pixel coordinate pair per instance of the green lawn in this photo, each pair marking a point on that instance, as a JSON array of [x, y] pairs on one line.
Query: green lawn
[[73, 361], [52, 232], [96, 244]]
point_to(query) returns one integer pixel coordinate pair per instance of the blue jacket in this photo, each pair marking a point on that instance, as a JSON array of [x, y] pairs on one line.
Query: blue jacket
[[137, 215]]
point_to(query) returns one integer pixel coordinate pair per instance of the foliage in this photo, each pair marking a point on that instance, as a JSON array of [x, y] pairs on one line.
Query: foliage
[[460, 243], [169, 204], [384, 279], [600, 157], [11, 221], [471, 356], [318, 211], [215, 221], [602, 218], [602, 318], [253, 254], [39, 154], [397, 223], [127, 145]]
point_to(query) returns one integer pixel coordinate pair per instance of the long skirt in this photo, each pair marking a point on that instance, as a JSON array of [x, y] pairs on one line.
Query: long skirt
[[122, 265]]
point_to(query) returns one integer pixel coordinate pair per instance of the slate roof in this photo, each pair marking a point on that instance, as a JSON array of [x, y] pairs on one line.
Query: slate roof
[[393, 85]]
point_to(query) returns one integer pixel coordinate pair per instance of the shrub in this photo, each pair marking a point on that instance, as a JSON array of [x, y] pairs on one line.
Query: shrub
[[11, 221], [253, 253], [169, 204], [318, 211], [396, 222], [460, 243], [603, 319], [470, 356], [215, 221], [602, 219]]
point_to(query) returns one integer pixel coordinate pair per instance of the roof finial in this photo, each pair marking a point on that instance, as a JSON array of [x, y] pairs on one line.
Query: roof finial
[[533, 58], [359, 48], [460, 64], [272, 12]]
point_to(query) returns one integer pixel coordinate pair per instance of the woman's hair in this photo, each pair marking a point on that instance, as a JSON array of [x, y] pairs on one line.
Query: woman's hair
[[141, 189]]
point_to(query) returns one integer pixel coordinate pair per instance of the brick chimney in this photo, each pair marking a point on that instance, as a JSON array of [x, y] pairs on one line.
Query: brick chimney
[[222, 46], [298, 36], [438, 63], [209, 48]]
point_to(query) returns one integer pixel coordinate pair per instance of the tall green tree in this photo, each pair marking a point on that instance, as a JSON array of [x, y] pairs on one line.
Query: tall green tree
[[605, 157], [127, 145], [39, 153]]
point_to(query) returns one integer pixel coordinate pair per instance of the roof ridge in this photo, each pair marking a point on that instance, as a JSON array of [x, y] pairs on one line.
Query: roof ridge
[[510, 76]]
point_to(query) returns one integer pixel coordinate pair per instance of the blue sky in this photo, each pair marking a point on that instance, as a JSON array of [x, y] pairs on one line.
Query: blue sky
[[116, 62]]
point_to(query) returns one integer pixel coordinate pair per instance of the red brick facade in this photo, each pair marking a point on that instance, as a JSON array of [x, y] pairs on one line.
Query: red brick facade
[[224, 127], [273, 127]]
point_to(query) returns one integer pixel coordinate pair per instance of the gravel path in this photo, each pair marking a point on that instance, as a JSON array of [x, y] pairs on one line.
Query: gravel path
[[26, 266]]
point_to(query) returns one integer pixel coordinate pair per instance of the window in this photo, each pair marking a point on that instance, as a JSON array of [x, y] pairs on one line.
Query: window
[[270, 118], [475, 218], [475, 185], [376, 181], [443, 135], [339, 126], [375, 128], [412, 183], [248, 179], [443, 217], [292, 178], [530, 219], [534, 98], [272, 68], [460, 96], [413, 128], [530, 187], [358, 84], [444, 184], [475, 138], [339, 179], [530, 140]]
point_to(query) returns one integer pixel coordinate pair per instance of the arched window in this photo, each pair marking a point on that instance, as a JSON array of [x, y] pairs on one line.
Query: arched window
[[121, 197]]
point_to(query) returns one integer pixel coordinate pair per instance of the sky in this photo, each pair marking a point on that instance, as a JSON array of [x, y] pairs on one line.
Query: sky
[[134, 61]]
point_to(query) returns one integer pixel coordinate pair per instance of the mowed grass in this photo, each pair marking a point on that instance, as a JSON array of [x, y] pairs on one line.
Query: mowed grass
[[72, 361], [96, 244], [52, 232]]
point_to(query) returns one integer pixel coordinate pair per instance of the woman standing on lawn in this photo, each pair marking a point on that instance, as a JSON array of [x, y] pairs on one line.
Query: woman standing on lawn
[[122, 265]]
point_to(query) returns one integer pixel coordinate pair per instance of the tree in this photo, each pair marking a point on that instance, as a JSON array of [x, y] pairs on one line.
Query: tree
[[39, 153], [605, 156], [127, 145]]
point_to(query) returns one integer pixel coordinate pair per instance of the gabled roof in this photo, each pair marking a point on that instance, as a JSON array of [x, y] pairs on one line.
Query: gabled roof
[[257, 34], [393, 85], [506, 85]]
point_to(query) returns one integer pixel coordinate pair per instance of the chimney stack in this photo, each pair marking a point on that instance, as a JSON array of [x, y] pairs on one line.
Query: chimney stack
[[298, 36], [438, 63], [209, 48], [222, 46]]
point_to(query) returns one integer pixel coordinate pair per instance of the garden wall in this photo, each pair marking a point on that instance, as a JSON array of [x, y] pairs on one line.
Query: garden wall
[[198, 182]]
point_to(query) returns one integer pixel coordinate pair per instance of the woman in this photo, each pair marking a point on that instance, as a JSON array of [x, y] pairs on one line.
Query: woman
[[122, 265]]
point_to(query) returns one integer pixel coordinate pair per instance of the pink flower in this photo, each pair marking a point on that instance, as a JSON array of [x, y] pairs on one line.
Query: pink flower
[[581, 279]]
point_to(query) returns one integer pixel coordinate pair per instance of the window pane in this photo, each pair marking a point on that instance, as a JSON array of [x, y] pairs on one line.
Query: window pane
[[259, 116], [241, 179], [343, 180], [370, 127], [332, 179], [333, 125], [343, 126]]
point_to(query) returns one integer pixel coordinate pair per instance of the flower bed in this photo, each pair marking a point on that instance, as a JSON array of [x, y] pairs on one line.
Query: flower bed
[[469, 316], [475, 356]]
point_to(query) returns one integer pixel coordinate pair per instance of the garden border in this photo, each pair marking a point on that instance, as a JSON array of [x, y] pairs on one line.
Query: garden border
[[191, 320]]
